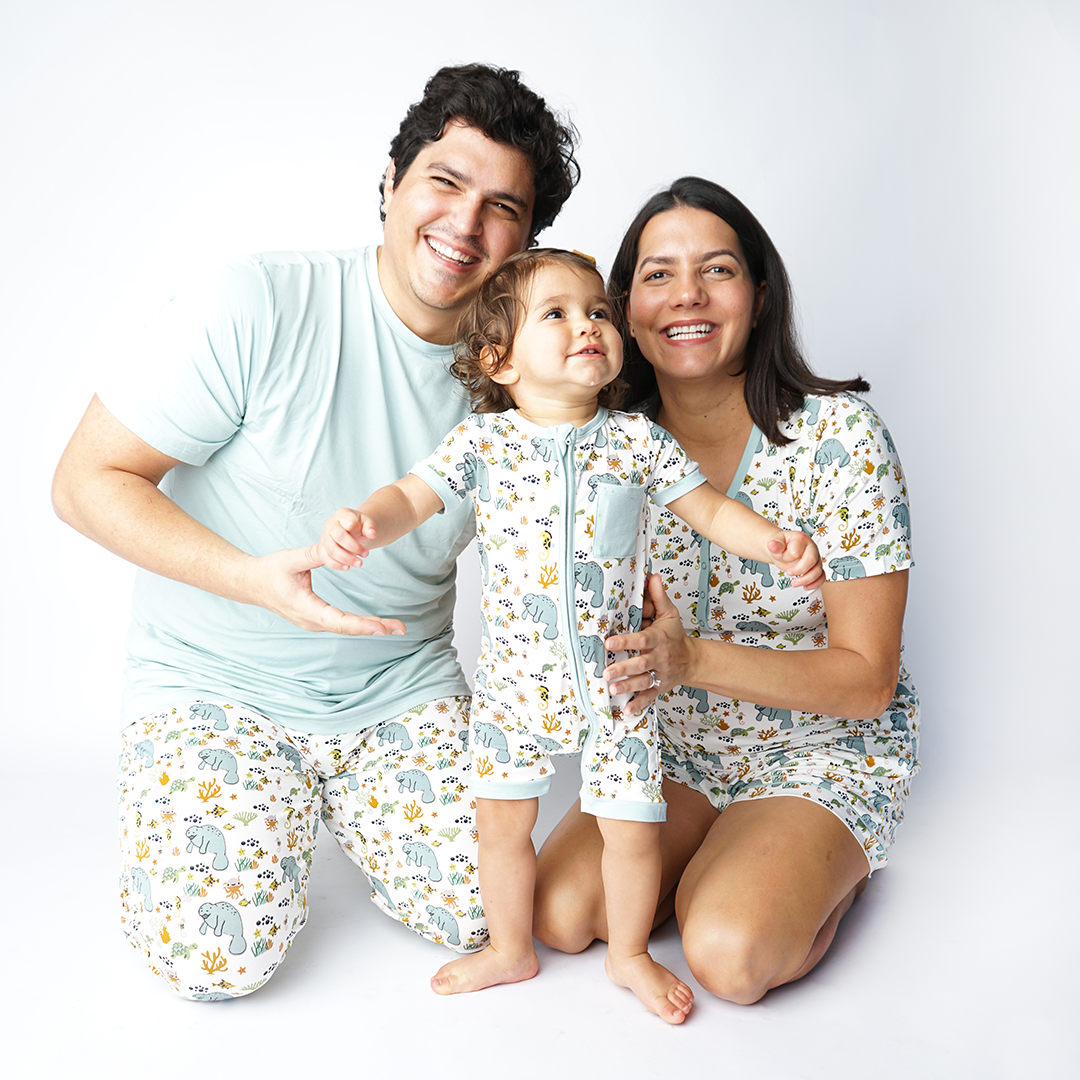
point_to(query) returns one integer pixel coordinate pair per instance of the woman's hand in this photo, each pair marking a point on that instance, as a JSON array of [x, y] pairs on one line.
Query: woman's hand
[[663, 649]]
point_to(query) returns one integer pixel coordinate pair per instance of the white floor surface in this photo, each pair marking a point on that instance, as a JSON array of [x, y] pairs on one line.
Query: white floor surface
[[921, 981]]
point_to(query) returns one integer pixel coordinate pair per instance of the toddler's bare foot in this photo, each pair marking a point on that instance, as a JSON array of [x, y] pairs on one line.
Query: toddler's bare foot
[[485, 968], [657, 989]]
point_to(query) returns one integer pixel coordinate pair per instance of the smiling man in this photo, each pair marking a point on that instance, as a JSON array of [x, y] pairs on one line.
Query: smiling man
[[283, 387], [452, 217]]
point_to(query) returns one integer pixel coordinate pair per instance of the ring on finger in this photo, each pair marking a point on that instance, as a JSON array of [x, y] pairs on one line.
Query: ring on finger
[[655, 679]]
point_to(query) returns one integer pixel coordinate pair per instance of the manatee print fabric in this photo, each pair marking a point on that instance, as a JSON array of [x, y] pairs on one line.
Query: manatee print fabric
[[841, 482], [219, 809], [560, 528]]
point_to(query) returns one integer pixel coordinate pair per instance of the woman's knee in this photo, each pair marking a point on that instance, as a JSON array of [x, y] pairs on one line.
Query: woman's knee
[[734, 961], [564, 918], [568, 909]]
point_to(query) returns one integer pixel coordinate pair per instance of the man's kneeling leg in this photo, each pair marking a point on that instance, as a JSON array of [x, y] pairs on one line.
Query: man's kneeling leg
[[399, 804], [218, 814]]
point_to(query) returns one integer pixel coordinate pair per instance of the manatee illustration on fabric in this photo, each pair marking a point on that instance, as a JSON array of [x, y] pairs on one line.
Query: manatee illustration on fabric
[[841, 482], [219, 810], [560, 531]]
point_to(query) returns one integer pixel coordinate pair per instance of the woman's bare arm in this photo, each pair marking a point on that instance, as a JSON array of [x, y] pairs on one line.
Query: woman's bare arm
[[854, 676]]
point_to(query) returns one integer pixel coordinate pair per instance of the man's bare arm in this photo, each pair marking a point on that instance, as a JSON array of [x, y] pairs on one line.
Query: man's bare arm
[[106, 487]]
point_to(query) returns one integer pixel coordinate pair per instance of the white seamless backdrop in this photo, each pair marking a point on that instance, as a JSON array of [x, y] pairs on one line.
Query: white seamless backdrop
[[917, 166]]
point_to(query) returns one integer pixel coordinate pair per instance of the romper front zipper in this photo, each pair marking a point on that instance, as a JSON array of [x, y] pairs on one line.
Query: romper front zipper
[[567, 585]]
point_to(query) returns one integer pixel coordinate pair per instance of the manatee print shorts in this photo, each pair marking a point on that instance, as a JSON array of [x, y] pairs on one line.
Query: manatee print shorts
[[860, 771], [219, 808]]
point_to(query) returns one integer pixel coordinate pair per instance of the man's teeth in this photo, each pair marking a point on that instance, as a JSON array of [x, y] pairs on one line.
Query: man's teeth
[[683, 332], [450, 253]]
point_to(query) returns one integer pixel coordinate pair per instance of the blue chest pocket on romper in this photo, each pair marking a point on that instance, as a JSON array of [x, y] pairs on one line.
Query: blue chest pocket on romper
[[618, 520]]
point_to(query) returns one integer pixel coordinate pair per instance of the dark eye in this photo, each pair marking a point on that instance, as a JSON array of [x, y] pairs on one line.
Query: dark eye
[[600, 313], [719, 270], [656, 275], [553, 313]]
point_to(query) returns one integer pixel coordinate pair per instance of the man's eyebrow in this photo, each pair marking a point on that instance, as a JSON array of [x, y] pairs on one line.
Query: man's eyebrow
[[461, 178]]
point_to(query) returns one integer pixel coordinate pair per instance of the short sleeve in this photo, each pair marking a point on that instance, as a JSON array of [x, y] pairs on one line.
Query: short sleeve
[[672, 474], [454, 469], [858, 510], [183, 384]]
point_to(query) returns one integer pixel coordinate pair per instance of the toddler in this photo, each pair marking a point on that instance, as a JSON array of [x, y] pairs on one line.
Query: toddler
[[559, 483]]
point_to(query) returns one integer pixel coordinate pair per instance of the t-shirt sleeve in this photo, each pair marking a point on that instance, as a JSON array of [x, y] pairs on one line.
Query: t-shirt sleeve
[[183, 384], [672, 474], [858, 513], [454, 469]]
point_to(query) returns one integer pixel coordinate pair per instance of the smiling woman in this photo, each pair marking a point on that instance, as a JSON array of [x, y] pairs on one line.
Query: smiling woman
[[694, 300], [788, 722]]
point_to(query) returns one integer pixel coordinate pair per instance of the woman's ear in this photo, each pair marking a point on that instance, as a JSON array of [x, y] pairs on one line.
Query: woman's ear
[[626, 319], [759, 303]]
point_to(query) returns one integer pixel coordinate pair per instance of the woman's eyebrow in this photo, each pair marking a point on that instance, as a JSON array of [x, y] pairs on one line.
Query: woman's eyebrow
[[669, 260]]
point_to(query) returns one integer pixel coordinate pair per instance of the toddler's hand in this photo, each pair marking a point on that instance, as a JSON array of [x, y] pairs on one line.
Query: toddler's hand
[[341, 545], [798, 557]]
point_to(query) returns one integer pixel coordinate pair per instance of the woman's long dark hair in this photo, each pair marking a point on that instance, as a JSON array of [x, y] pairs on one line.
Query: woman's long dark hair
[[777, 375]]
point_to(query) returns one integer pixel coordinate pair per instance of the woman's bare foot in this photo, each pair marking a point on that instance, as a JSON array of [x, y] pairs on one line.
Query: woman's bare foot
[[656, 988], [485, 968]]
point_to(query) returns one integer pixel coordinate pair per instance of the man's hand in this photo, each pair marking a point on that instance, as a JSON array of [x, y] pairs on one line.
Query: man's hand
[[281, 583]]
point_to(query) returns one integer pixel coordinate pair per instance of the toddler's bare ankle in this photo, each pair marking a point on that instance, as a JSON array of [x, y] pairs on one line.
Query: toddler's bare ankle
[[656, 988]]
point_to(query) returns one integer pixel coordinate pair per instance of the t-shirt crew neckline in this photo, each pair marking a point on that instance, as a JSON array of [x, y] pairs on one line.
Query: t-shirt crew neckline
[[391, 318]]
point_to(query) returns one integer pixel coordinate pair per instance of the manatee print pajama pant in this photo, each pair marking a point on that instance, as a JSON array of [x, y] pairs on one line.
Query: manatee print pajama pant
[[219, 808]]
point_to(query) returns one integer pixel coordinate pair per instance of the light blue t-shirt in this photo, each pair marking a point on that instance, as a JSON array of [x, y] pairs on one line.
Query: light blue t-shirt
[[287, 387]]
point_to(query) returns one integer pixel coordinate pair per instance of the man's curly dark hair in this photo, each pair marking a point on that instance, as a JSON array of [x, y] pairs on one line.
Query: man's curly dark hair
[[494, 101]]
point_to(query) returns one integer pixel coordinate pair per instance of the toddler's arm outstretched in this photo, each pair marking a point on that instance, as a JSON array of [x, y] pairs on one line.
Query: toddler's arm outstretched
[[738, 529], [383, 517]]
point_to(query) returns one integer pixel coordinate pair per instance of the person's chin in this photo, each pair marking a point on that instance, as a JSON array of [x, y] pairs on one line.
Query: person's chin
[[441, 297]]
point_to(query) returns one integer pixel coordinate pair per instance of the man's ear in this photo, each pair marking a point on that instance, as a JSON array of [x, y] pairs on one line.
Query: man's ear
[[388, 184], [505, 375]]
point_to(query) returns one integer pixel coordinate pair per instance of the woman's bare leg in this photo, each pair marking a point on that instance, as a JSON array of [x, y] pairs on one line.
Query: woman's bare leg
[[631, 874], [779, 862], [507, 876], [759, 903], [570, 911]]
